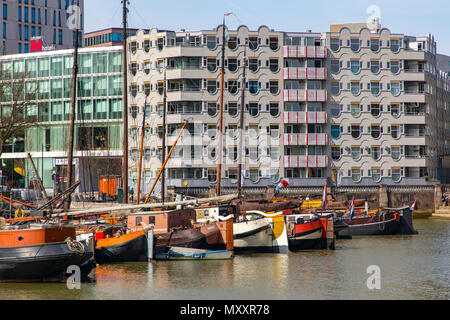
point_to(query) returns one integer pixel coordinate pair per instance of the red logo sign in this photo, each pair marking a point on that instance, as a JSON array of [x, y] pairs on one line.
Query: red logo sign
[[36, 45]]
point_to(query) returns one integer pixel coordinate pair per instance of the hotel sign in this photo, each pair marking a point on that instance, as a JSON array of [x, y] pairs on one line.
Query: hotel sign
[[36, 45]]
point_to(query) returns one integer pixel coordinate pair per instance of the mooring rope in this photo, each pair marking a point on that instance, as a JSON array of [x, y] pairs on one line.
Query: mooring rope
[[75, 246]]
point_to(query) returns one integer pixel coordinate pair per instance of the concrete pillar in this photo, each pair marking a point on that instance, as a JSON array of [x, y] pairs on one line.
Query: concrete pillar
[[383, 200], [437, 196]]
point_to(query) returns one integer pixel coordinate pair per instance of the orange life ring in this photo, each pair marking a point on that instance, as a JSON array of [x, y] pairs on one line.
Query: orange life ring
[[396, 216]]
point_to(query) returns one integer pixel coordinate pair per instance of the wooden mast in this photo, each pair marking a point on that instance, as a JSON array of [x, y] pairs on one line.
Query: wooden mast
[[163, 151], [125, 106], [72, 114], [140, 154], [222, 74], [241, 125]]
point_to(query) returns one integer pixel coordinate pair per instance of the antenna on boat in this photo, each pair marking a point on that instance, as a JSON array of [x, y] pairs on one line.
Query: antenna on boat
[[72, 112], [125, 106], [241, 125], [222, 74]]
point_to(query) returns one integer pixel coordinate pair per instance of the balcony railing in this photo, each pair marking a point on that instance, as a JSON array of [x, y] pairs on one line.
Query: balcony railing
[[305, 161], [305, 117], [305, 139], [304, 73], [319, 95], [304, 52]]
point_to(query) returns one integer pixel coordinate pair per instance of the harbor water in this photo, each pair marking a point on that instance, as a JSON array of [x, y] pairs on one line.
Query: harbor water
[[410, 267]]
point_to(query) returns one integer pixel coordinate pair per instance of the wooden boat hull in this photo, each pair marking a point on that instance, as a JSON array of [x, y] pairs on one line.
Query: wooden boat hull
[[42, 262], [128, 247], [380, 224], [182, 253]]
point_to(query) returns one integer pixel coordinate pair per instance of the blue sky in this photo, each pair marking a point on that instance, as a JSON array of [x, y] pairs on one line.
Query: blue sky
[[400, 16]]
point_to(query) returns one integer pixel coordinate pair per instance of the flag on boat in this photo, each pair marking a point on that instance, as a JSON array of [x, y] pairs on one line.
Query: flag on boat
[[412, 206], [352, 209], [324, 196], [284, 183], [366, 206], [227, 14]]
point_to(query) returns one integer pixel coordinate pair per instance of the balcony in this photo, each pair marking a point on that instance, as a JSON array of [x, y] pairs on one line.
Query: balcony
[[304, 74], [304, 52], [305, 161], [304, 139], [305, 95], [305, 117]]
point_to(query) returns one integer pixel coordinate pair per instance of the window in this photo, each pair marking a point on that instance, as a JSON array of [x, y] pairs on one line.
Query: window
[[375, 109], [376, 174], [376, 152], [395, 131], [375, 87], [232, 42], [335, 87], [396, 174], [212, 109], [273, 43], [233, 86], [395, 66], [253, 130], [374, 44], [375, 131], [395, 88], [355, 87], [396, 152], [356, 174], [375, 66], [5, 11], [273, 87], [232, 64], [253, 86], [274, 109], [212, 175], [395, 45], [335, 44], [355, 66], [335, 109], [101, 109], [253, 43], [232, 108], [354, 44], [274, 131], [395, 110], [273, 64], [355, 130], [254, 175], [253, 108], [335, 131], [253, 64], [355, 109], [356, 152], [253, 153], [211, 42], [336, 153], [335, 65], [211, 86], [211, 64]]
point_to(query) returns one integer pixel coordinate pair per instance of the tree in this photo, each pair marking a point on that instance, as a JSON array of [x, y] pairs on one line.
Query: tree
[[18, 109]]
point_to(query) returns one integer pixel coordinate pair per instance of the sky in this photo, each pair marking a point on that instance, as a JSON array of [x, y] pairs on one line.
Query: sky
[[412, 17]]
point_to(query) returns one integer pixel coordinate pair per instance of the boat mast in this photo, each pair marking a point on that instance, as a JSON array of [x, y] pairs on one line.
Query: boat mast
[[222, 74], [140, 154], [72, 113], [163, 153], [241, 125], [125, 106]]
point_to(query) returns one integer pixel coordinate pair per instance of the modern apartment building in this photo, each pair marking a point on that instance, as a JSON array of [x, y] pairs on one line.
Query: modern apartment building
[[25, 20], [98, 122], [358, 105], [106, 37]]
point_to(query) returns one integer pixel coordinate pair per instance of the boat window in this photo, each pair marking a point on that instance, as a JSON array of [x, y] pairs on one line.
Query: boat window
[[138, 220]]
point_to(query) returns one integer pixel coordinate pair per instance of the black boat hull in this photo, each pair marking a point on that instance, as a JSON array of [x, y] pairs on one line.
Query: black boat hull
[[382, 225], [132, 250], [45, 262]]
